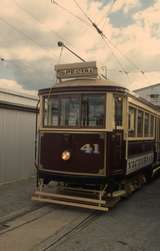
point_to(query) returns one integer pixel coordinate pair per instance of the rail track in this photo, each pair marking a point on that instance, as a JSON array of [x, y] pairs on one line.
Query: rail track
[[44, 228], [68, 234]]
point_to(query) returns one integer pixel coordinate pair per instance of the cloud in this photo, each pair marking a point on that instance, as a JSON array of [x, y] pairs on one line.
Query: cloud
[[31, 51], [125, 5], [149, 19], [13, 85], [141, 81]]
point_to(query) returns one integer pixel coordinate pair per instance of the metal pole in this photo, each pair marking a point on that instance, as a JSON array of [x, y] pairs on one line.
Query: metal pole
[[60, 44]]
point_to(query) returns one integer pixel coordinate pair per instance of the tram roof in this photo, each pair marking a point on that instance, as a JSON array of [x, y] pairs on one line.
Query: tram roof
[[86, 84]]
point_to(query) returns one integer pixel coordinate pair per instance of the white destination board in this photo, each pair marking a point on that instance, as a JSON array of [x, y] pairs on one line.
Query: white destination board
[[85, 69]]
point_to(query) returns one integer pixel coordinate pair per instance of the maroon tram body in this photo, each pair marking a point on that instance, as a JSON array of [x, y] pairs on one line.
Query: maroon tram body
[[94, 133]]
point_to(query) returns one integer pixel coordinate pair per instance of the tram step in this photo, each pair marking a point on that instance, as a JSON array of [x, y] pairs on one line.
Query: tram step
[[70, 200]]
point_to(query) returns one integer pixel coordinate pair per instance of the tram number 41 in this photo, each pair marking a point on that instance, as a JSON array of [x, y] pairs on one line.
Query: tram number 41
[[88, 148]]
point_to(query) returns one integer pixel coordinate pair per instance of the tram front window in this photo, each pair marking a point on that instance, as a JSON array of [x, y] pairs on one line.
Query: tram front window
[[70, 112], [93, 110], [75, 111]]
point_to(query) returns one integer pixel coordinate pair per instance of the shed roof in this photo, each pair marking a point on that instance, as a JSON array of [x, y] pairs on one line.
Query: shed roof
[[147, 87], [17, 100]]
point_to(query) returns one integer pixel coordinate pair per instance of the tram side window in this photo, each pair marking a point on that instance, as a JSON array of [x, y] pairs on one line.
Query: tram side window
[[146, 125], [70, 111], [93, 110], [151, 125], [45, 111], [157, 128], [140, 124], [118, 111], [131, 122]]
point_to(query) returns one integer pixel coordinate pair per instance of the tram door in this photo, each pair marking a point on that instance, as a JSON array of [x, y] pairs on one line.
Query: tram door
[[116, 152], [116, 138]]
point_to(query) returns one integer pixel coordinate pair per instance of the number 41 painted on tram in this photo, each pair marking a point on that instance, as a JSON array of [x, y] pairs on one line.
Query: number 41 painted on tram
[[90, 148]]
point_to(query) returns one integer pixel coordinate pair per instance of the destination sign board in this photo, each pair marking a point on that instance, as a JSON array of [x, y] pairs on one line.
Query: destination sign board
[[76, 70]]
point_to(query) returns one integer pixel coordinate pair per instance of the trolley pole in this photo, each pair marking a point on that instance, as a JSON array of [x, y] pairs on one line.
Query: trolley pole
[[61, 44]]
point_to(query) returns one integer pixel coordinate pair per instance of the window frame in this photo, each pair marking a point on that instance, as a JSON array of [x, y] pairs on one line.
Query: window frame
[[140, 135], [135, 122], [136, 137], [104, 109], [152, 129], [60, 109], [118, 102], [80, 96], [148, 131]]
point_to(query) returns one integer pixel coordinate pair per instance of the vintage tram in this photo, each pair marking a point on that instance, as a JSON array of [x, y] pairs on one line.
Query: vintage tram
[[96, 141]]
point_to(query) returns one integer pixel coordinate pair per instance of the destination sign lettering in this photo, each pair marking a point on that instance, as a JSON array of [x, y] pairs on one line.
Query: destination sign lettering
[[86, 69]]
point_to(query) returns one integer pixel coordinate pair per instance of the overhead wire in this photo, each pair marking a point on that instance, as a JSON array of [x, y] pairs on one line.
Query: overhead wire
[[70, 12], [109, 41], [15, 64], [108, 12], [24, 34], [118, 61], [105, 37], [124, 56], [90, 20], [84, 13], [58, 62], [93, 24], [18, 65], [115, 47], [37, 20], [102, 36], [28, 38], [9, 61]]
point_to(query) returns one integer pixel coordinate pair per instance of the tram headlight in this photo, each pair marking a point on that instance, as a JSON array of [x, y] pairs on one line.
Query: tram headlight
[[66, 155]]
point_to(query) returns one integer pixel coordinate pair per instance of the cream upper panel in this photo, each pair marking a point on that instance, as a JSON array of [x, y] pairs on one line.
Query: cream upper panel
[[143, 106]]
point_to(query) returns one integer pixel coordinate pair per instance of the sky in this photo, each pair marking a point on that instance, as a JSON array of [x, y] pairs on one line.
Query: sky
[[30, 30]]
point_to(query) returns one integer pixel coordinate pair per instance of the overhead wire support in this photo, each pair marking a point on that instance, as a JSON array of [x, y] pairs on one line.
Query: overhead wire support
[[98, 30], [106, 38], [103, 36], [91, 22]]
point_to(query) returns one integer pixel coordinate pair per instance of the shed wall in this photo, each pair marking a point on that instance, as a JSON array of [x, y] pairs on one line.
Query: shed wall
[[17, 129], [151, 93]]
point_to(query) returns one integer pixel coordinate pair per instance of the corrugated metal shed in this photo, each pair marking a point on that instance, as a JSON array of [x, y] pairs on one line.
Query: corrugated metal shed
[[17, 129], [151, 93]]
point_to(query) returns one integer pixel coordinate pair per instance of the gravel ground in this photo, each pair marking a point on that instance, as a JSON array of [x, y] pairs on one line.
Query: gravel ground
[[16, 197], [132, 226]]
